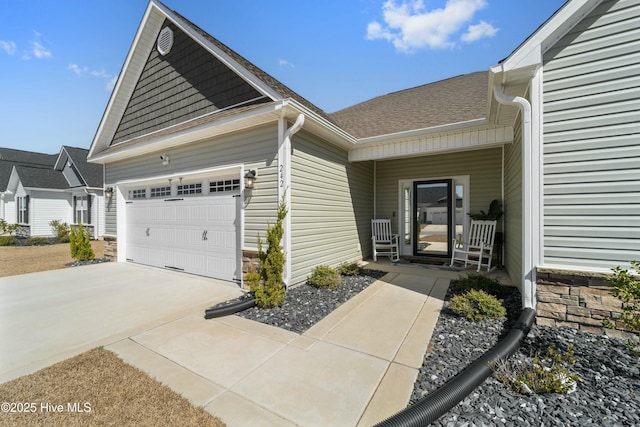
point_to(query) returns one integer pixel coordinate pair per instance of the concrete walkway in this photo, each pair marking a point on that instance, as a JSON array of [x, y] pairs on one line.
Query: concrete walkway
[[354, 368]]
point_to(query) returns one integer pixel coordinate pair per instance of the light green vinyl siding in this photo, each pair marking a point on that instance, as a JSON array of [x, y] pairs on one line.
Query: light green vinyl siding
[[256, 149], [484, 168], [513, 205], [591, 141], [331, 206]]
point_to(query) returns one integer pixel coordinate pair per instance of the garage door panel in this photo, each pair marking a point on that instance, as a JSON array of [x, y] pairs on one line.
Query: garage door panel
[[197, 234]]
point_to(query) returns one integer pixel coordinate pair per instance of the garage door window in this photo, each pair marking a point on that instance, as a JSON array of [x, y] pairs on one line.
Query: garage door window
[[189, 189], [160, 192], [138, 194], [226, 185]]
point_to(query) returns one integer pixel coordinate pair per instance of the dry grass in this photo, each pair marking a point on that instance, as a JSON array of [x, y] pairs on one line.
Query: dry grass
[[30, 259], [109, 391]]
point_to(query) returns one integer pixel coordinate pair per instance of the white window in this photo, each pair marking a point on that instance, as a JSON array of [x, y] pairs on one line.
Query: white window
[[82, 209], [23, 209], [189, 189], [140, 193], [160, 192], [226, 185]]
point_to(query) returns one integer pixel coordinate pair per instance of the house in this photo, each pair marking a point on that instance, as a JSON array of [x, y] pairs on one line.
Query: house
[[37, 188], [199, 145]]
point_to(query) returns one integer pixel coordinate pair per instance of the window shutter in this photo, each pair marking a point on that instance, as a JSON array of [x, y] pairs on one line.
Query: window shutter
[[26, 210], [75, 204], [89, 197]]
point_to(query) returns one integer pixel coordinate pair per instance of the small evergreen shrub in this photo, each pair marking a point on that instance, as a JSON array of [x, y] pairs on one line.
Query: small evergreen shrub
[[8, 241], [350, 269], [549, 374], [481, 282], [80, 244], [269, 289], [60, 229], [37, 241], [626, 287], [324, 276], [477, 305]]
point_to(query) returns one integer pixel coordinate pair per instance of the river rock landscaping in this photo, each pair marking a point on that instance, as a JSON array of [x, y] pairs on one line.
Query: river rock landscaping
[[307, 305], [608, 395]]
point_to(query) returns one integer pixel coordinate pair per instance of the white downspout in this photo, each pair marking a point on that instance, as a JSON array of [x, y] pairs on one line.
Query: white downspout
[[528, 264], [284, 188]]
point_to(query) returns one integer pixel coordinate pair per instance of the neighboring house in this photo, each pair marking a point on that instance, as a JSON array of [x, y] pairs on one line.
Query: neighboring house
[[37, 188], [553, 131]]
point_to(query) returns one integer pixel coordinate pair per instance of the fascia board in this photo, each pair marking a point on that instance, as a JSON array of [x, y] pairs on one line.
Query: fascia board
[[98, 142], [187, 136], [51, 190], [375, 140], [530, 52], [63, 151], [336, 134]]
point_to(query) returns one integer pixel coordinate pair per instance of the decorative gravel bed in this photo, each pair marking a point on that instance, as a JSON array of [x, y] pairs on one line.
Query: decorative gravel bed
[[609, 394], [307, 305]]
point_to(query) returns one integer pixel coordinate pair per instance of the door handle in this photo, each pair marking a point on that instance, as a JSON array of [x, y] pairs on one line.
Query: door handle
[[204, 235]]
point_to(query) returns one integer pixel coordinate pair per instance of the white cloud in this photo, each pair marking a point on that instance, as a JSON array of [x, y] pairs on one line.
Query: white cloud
[[111, 83], [101, 73], [77, 69], [409, 25], [37, 48], [8, 46], [40, 51], [285, 63], [479, 31]]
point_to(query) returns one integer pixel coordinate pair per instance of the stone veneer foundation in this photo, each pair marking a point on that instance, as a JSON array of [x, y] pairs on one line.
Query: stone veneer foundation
[[110, 248], [579, 300]]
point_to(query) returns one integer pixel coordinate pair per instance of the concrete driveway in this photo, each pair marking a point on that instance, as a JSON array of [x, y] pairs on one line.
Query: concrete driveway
[[50, 316]]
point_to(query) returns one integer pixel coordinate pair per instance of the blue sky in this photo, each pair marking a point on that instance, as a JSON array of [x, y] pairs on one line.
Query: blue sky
[[59, 60]]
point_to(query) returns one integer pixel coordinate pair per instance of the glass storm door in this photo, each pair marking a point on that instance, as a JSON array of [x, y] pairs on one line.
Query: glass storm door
[[433, 218]]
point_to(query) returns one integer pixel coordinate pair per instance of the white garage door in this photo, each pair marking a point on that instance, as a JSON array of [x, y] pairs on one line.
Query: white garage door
[[198, 235]]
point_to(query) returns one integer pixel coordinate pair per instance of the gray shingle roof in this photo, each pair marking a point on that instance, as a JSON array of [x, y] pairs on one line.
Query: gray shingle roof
[[92, 173], [40, 177], [10, 157], [454, 100], [27, 157]]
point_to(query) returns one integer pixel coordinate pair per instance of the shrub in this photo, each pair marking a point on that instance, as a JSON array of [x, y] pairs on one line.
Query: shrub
[[80, 244], [477, 305], [37, 241], [350, 269], [5, 227], [60, 229], [324, 276], [269, 290], [7, 240], [482, 283], [549, 374], [626, 287]]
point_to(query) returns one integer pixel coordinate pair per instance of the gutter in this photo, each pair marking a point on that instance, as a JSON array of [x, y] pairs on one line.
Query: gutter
[[528, 265]]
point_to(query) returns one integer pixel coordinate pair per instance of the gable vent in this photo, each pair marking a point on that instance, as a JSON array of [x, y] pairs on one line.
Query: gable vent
[[165, 41]]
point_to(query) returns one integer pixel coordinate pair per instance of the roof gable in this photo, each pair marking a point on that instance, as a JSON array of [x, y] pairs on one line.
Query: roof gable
[[10, 157], [185, 83], [135, 110], [38, 177]]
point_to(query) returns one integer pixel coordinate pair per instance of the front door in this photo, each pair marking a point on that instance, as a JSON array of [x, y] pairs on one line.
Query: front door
[[433, 225], [433, 212]]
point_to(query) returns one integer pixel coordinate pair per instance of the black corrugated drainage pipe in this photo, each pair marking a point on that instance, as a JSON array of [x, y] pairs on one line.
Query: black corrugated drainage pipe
[[243, 304], [438, 403]]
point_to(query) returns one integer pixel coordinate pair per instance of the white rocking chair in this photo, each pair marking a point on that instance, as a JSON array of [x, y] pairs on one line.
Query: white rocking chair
[[385, 243], [479, 248]]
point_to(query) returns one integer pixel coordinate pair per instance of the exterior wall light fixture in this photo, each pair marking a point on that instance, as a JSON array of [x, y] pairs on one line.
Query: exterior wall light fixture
[[250, 178]]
